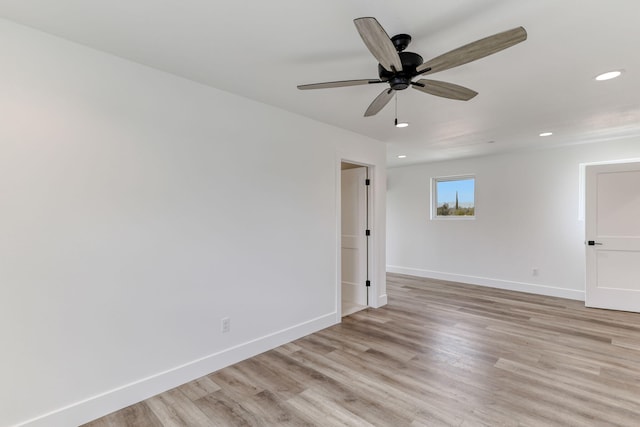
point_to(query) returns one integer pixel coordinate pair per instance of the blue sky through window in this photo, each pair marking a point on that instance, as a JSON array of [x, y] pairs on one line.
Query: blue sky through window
[[446, 191]]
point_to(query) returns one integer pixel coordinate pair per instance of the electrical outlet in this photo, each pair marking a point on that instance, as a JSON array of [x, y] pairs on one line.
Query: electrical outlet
[[226, 324]]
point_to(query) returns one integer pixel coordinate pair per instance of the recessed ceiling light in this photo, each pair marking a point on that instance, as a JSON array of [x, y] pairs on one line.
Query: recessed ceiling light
[[546, 134], [609, 75], [402, 156]]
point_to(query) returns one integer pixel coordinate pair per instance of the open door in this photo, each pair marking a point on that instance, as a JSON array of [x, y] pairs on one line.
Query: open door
[[354, 251], [612, 222]]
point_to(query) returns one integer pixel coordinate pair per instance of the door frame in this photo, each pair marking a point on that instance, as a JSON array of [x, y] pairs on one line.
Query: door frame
[[372, 291]]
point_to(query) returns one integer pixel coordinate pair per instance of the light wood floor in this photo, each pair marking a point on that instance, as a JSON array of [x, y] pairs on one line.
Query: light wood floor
[[439, 354]]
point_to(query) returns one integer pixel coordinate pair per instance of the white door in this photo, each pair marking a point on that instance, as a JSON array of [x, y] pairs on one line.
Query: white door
[[612, 221], [354, 240]]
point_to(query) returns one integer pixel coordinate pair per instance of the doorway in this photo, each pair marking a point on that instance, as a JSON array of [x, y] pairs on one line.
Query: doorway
[[612, 231], [354, 227]]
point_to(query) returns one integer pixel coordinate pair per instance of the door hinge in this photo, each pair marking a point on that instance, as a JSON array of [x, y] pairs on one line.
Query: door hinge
[[368, 283], [367, 232], [367, 181]]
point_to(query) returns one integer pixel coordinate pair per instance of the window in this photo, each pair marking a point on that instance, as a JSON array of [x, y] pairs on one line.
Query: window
[[453, 197]]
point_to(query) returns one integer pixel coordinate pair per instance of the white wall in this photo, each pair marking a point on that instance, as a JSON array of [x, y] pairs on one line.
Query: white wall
[[527, 207], [136, 210]]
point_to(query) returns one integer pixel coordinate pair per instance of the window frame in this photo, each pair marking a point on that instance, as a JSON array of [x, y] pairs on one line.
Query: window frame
[[434, 197]]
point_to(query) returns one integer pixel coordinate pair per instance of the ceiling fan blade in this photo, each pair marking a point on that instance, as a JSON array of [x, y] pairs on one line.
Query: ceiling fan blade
[[475, 50], [378, 43], [379, 103], [444, 89], [342, 83]]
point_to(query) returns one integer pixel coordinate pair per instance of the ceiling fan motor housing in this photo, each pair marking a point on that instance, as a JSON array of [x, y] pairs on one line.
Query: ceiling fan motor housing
[[401, 79]]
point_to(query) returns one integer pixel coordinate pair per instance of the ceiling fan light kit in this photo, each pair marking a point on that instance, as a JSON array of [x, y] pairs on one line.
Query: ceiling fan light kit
[[398, 68]]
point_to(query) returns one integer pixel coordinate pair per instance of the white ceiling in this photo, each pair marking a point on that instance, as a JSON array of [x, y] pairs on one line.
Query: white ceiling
[[263, 49]]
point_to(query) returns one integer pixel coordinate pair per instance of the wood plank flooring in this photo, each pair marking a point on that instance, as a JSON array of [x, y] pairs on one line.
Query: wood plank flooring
[[439, 354]]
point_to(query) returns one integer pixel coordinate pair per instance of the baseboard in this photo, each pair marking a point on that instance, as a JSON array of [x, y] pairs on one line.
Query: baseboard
[[492, 283], [128, 394]]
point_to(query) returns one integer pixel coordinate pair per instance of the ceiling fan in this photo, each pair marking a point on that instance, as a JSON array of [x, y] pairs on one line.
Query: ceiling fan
[[398, 68]]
